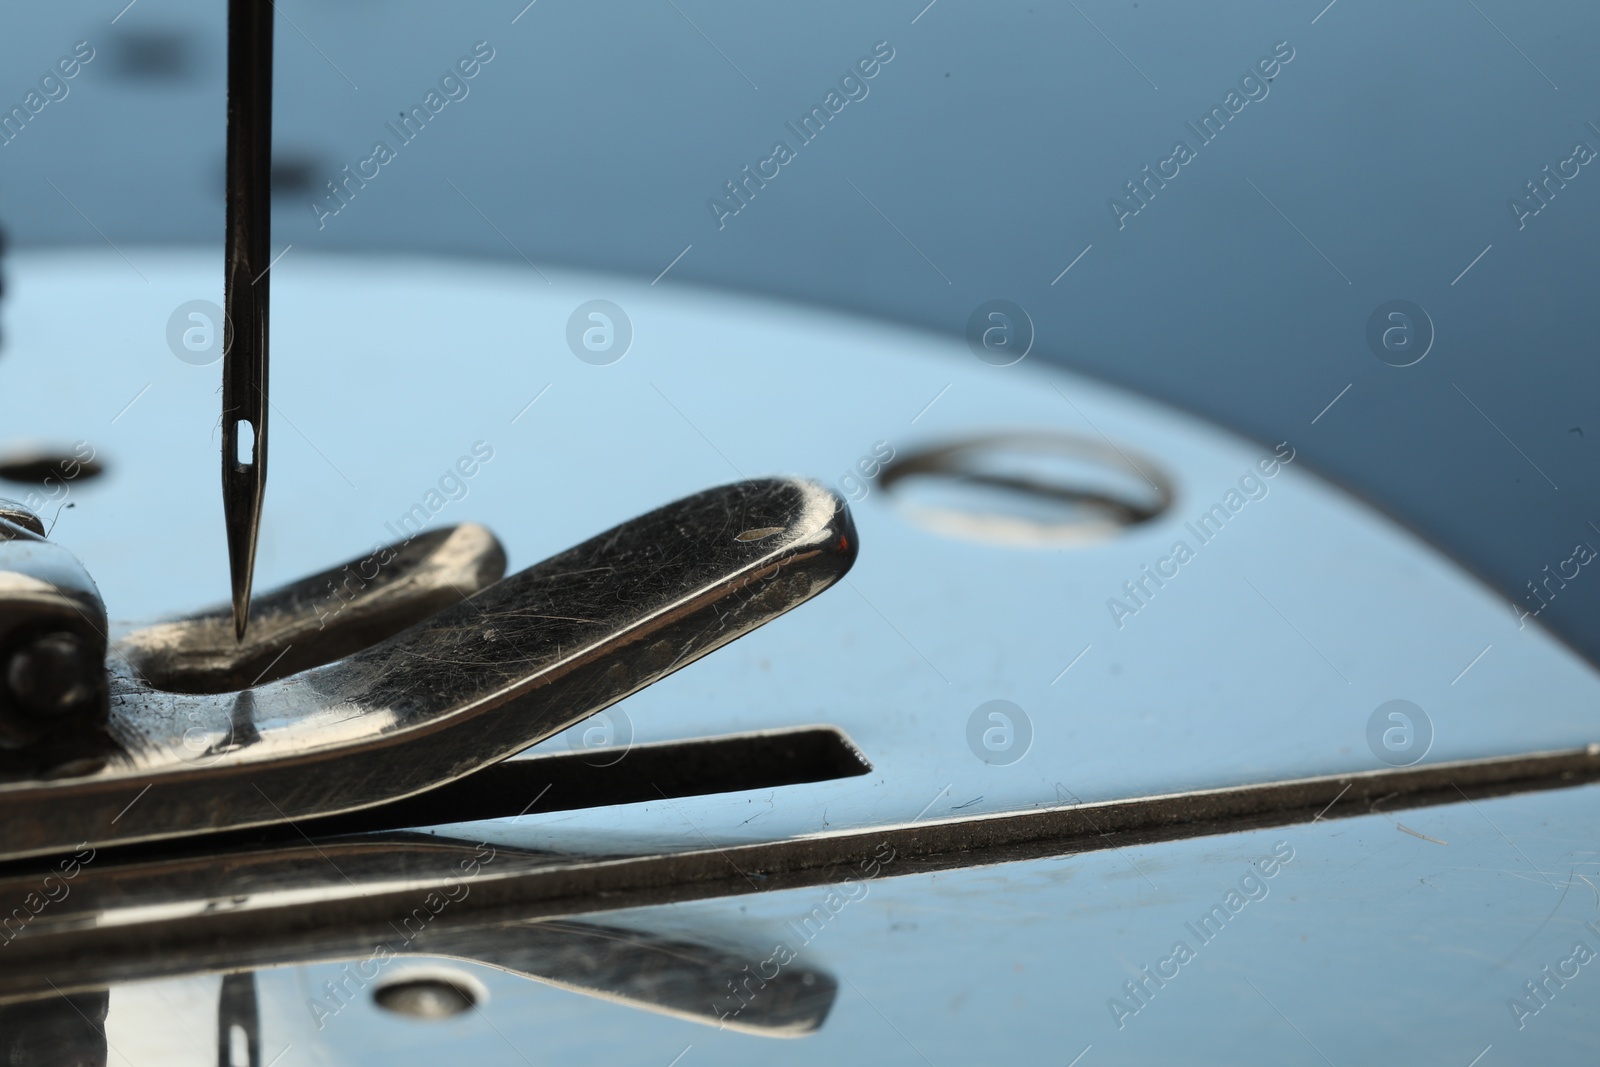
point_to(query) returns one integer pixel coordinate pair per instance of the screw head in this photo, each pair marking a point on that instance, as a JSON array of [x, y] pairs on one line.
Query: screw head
[[53, 676]]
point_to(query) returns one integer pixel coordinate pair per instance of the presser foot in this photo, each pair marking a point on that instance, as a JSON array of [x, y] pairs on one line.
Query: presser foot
[[388, 676]]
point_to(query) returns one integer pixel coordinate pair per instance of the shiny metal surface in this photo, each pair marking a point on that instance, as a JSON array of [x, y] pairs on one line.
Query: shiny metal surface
[[131, 917], [1263, 661], [53, 683], [1423, 943], [990, 493], [320, 618], [17, 514], [246, 291], [679, 974], [986, 964], [470, 685]]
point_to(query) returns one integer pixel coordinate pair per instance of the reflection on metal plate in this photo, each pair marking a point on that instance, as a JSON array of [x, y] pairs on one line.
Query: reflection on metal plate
[[1233, 621]]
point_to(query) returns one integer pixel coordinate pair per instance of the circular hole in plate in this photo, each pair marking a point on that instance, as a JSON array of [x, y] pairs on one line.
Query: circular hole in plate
[[38, 464], [1039, 489], [430, 994]]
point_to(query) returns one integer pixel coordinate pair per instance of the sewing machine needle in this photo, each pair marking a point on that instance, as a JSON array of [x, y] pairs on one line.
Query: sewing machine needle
[[248, 250]]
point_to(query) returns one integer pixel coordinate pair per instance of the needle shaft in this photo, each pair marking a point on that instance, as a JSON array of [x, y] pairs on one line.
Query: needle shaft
[[246, 284]]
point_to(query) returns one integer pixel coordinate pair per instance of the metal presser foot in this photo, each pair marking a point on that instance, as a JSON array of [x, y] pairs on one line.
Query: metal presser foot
[[374, 681]]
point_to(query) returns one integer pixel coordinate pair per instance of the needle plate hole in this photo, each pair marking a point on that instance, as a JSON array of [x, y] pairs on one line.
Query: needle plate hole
[[1040, 489]]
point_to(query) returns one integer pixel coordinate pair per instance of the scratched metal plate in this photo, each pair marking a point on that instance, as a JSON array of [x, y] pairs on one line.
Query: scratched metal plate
[[1265, 656]]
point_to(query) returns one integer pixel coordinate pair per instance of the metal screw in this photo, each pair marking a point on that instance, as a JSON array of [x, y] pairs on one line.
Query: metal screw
[[53, 675]]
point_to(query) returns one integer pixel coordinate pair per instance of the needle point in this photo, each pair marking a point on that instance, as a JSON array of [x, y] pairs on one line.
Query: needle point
[[245, 291]]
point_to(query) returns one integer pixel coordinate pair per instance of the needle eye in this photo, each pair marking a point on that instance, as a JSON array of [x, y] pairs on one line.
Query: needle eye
[[244, 443]]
